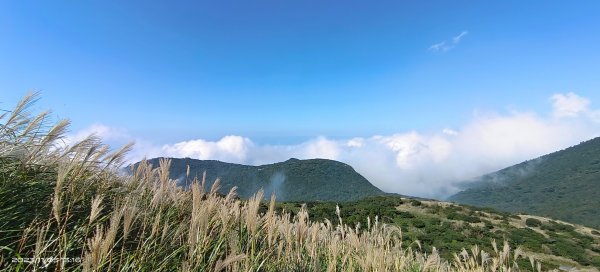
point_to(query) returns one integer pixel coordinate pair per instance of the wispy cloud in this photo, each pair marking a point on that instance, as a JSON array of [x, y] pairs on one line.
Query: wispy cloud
[[457, 39], [445, 45], [415, 163], [439, 47]]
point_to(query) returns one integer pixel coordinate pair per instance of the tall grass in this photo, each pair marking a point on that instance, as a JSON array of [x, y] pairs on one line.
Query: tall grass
[[66, 207]]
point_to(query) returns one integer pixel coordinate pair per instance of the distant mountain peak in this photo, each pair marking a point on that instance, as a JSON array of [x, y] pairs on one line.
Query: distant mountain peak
[[291, 180]]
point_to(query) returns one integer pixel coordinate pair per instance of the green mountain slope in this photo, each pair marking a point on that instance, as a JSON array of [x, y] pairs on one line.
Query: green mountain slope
[[292, 180], [563, 185]]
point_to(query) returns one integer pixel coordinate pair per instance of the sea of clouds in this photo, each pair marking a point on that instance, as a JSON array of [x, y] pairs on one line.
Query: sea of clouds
[[410, 162]]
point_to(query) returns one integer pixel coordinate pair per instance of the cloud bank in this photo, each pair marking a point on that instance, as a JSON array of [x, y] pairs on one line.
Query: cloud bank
[[412, 162]]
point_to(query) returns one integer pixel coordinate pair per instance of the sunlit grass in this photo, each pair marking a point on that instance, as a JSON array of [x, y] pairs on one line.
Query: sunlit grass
[[70, 203]]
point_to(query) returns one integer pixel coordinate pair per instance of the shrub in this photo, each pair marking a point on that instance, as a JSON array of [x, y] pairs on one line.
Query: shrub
[[527, 238], [555, 226], [532, 222], [415, 202], [488, 224], [405, 215], [418, 223], [463, 217]]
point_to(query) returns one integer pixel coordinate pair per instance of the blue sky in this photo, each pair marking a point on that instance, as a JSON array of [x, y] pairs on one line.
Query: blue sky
[[291, 73]]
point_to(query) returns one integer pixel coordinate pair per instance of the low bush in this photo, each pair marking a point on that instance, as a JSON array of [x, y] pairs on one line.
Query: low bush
[[415, 202], [532, 222]]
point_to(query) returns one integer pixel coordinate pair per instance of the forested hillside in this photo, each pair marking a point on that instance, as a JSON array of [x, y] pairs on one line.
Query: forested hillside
[[563, 185], [292, 180]]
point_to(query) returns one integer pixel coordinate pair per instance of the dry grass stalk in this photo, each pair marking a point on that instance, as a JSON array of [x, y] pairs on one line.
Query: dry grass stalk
[[145, 222]]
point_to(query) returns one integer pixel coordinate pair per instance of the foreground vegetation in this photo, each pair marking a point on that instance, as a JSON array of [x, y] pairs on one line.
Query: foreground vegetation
[[65, 207], [428, 224]]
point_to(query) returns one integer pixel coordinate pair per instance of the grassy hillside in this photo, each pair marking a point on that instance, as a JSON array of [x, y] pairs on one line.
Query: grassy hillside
[[449, 227], [563, 185], [67, 208], [292, 180]]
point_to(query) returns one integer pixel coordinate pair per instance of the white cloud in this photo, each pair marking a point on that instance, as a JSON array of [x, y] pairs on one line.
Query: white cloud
[[444, 46], [570, 104], [107, 133], [450, 132], [321, 148], [229, 148], [412, 163], [355, 142]]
